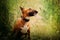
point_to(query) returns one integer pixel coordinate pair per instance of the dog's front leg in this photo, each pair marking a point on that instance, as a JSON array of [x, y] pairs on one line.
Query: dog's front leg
[[29, 38], [29, 35]]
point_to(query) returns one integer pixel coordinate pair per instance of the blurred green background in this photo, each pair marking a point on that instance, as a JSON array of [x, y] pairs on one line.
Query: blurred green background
[[44, 26]]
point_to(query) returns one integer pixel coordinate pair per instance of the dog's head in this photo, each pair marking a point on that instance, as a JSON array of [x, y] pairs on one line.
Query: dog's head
[[28, 12]]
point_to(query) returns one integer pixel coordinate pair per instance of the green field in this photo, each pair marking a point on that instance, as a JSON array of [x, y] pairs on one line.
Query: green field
[[44, 26]]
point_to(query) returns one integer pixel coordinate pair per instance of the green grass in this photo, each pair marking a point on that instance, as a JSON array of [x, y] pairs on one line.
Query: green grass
[[44, 26]]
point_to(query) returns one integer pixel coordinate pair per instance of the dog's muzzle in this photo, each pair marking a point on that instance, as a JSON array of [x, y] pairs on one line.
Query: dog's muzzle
[[33, 13]]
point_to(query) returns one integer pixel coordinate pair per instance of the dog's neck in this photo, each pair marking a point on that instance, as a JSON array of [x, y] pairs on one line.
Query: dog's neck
[[25, 19]]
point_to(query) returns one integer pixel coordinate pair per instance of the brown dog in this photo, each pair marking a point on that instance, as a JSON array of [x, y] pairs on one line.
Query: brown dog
[[21, 26]]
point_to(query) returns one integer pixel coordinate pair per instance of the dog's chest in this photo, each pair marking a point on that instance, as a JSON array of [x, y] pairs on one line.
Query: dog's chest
[[24, 29]]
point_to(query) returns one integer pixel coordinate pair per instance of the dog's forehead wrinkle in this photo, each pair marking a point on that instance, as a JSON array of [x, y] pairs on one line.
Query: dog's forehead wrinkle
[[30, 11]]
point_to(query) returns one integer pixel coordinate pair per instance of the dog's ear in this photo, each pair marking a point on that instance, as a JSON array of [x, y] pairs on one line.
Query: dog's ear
[[29, 8], [21, 8]]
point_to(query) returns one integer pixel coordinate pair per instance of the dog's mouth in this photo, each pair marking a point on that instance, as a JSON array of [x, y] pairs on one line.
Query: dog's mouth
[[33, 13]]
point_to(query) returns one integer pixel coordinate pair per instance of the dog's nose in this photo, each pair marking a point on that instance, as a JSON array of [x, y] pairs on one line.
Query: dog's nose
[[35, 11]]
